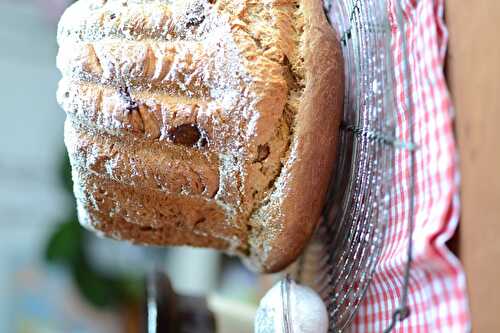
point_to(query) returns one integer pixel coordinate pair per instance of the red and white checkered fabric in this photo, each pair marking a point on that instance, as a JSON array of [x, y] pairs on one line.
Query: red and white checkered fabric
[[437, 294]]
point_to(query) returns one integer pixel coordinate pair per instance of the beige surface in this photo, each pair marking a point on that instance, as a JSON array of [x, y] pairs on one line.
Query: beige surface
[[474, 75], [231, 316]]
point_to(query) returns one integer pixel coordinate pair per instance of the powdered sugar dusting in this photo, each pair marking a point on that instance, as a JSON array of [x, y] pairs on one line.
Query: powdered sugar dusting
[[181, 62]]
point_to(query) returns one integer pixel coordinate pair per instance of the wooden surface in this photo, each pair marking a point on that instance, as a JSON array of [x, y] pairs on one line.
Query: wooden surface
[[474, 78]]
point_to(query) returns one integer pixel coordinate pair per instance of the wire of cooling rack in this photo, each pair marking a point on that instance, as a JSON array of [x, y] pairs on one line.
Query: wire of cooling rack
[[403, 311], [285, 299], [340, 262]]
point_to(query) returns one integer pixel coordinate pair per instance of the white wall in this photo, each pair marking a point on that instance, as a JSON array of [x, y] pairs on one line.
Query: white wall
[[30, 139]]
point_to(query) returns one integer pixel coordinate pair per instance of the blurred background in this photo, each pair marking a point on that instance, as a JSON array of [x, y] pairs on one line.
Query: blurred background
[[54, 276]]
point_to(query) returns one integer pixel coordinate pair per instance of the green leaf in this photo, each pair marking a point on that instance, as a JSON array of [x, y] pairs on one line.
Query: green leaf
[[97, 289], [65, 173], [65, 245], [103, 290], [131, 289]]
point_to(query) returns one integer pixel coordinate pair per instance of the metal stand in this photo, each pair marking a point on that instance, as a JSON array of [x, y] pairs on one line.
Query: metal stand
[[342, 258]]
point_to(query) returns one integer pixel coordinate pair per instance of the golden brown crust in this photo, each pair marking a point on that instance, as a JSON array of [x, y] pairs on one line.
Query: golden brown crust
[[314, 145], [177, 220], [223, 113]]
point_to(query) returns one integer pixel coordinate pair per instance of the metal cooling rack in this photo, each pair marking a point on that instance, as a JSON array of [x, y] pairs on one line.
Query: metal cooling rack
[[341, 260]]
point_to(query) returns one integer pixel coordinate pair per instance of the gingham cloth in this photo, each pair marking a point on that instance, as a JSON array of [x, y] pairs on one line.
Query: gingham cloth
[[437, 293]]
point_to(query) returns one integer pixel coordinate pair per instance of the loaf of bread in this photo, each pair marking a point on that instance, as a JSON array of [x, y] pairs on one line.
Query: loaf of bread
[[209, 123]]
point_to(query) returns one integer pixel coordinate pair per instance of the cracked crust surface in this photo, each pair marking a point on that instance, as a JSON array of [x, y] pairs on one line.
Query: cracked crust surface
[[203, 123]]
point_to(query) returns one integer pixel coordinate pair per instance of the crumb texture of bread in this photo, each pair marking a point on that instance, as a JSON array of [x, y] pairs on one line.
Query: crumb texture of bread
[[209, 123]]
